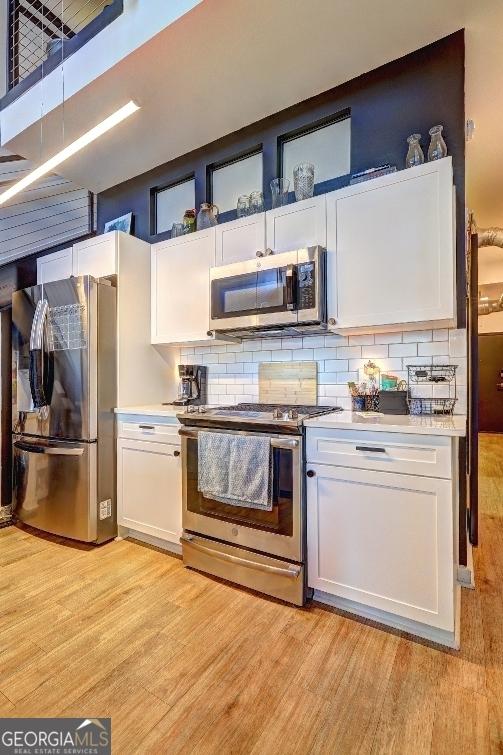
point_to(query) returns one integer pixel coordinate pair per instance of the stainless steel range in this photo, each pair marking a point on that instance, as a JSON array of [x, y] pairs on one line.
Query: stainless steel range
[[260, 549]]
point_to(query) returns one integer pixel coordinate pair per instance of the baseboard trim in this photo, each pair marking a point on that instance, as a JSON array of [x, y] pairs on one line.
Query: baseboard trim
[[165, 545], [438, 636], [466, 574]]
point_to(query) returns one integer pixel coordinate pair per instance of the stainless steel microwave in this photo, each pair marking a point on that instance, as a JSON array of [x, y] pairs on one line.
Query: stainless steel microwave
[[280, 294]]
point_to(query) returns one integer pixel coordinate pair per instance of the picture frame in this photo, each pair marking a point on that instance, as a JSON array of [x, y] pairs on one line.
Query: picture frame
[[123, 223]]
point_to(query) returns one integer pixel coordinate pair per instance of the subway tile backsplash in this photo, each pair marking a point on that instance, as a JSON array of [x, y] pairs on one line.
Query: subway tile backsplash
[[233, 368]]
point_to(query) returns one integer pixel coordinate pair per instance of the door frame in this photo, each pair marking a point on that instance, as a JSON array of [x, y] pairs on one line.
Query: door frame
[[472, 451]]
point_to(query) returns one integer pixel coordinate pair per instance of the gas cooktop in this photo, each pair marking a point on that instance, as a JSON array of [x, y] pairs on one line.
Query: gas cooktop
[[284, 417]]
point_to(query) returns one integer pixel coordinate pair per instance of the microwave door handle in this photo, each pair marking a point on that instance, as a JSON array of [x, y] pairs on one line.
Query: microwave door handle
[[290, 287]]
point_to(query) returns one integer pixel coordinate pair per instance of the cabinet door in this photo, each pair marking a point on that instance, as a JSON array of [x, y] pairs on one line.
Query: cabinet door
[[391, 250], [96, 256], [240, 239], [149, 488], [181, 288], [297, 225], [55, 266], [383, 540]]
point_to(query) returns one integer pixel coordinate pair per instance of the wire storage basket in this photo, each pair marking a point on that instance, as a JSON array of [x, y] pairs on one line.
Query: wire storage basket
[[432, 388]]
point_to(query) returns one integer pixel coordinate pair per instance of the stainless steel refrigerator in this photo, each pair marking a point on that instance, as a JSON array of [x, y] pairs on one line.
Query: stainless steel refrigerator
[[63, 395]]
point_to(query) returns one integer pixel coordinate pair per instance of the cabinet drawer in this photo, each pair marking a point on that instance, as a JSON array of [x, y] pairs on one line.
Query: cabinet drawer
[[149, 431], [425, 455]]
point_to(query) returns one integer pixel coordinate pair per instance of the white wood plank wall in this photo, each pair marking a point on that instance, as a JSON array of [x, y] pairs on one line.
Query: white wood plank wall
[[50, 212]]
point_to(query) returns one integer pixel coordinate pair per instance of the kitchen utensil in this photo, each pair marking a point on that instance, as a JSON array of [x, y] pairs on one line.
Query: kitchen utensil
[[415, 154], [256, 202], [438, 147], [207, 216], [372, 402], [279, 191], [243, 206], [303, 181]]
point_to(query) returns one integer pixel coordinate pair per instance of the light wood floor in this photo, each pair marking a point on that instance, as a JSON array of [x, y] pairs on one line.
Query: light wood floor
[[183, 663]]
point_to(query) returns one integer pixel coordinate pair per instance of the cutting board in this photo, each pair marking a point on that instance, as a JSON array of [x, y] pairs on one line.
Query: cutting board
[[288, 383]]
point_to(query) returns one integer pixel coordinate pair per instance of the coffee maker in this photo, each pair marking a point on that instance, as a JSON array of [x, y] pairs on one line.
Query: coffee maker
[[193, 385]]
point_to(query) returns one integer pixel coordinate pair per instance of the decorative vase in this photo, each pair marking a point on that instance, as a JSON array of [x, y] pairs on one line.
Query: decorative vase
[[207, 216], [438, 147], [303, 181], [415, 154]]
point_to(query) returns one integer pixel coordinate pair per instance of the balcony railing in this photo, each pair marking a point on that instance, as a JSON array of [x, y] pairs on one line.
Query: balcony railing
[[42, 33]]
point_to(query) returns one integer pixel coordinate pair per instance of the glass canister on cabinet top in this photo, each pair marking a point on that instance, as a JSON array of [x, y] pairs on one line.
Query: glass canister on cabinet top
[[189, 221], [438, 147], [207, 216], [415, 154]]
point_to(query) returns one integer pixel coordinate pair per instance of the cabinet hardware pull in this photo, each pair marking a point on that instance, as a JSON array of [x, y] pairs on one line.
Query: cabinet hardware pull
[[146, 427], [371, 449], [311, 473], [176, 453]]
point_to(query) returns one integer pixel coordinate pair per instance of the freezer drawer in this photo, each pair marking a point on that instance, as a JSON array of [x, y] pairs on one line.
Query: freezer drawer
[[55, 486]]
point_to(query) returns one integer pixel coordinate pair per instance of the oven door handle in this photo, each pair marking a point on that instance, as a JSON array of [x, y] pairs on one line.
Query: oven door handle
[[286, 443], [292, 571]]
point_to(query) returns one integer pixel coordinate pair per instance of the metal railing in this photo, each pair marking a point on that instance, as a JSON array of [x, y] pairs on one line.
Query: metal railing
[[44, 32]]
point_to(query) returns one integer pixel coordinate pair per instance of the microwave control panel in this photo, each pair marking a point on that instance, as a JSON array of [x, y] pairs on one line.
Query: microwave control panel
[[306, 285]]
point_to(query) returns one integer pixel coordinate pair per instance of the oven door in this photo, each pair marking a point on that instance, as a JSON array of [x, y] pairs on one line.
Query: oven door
[[255, 293], [278, 532]]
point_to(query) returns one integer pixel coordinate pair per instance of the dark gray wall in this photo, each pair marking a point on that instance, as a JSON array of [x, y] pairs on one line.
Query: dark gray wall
[[410, 94]]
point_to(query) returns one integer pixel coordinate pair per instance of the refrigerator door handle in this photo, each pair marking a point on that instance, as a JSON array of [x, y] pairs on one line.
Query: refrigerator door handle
[[41, 363], [34, 448], [37, 325]]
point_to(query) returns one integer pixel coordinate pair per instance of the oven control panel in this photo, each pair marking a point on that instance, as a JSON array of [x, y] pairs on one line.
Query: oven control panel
[[306, 285]]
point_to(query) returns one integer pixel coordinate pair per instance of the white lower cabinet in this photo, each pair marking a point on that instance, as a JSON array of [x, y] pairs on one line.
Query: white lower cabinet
[[149, 488], [382, 544]]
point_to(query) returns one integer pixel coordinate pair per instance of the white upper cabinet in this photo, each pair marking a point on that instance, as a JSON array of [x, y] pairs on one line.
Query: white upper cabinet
[[96, 256], [297, 225], [391, 251], [240, 239], [181, 288], [55, 266]]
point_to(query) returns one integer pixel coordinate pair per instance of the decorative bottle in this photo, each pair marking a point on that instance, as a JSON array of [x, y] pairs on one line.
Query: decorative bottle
[[415, 154], [438, 147]]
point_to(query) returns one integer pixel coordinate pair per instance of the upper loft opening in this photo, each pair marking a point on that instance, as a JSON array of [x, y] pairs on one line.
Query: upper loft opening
[[43, 33]]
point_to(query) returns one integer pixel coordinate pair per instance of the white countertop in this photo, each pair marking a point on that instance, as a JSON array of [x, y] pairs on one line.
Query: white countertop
[[451, 425], [152, 410]]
